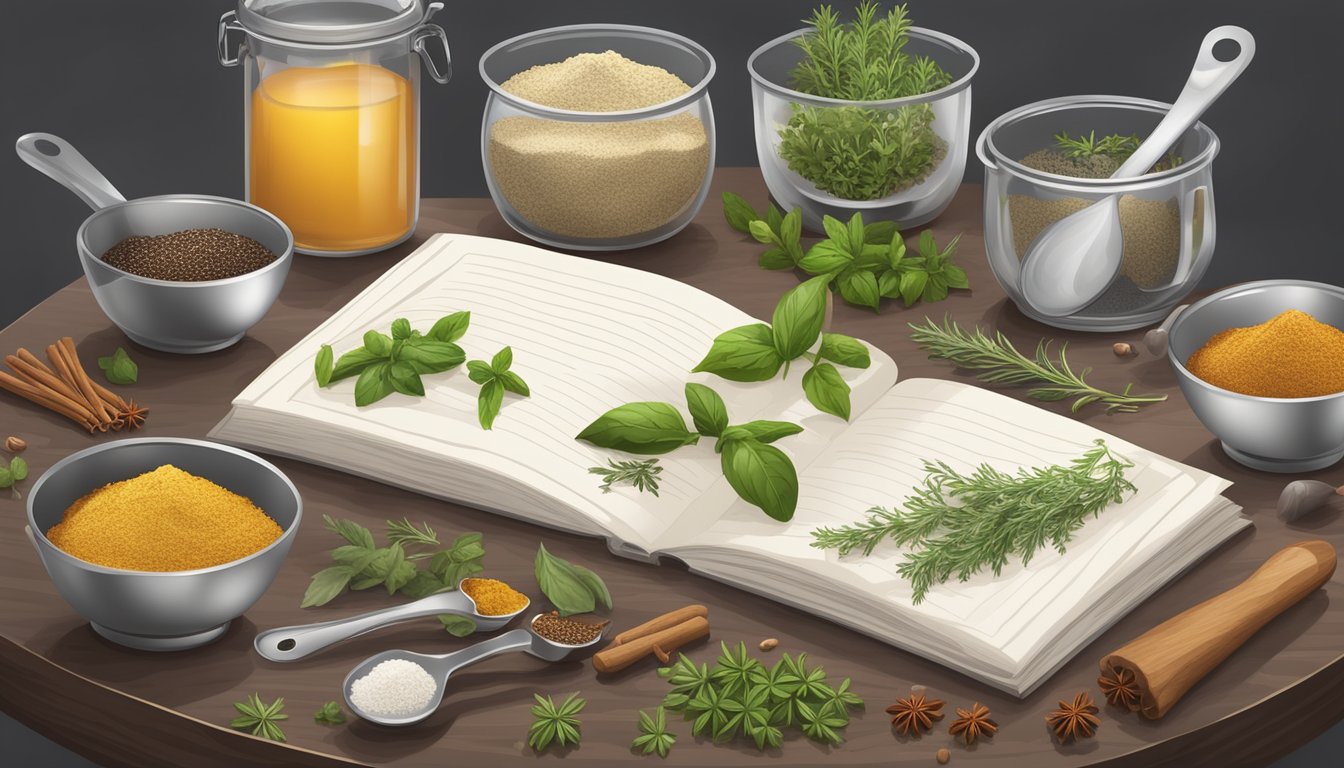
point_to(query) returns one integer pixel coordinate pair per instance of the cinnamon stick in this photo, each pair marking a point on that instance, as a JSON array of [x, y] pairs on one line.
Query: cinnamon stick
[[669, 619], [661, 644], [40, 375], [66, 348], [49, 400]]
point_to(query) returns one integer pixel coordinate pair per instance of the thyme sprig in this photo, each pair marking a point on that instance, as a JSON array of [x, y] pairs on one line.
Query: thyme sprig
[[642, 475], [997, 361], [958, 524]]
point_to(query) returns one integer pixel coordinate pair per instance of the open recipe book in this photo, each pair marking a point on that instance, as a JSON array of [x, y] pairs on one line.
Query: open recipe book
[[589, 336]]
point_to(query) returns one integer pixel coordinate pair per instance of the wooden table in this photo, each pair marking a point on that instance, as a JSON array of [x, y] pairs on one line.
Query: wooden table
[[123, 707]]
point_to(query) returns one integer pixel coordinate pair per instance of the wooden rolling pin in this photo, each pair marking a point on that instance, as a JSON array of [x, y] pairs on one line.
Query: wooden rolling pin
[[1169, 659]]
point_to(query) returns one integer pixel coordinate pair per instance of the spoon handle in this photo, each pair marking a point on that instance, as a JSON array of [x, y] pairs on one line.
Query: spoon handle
[[513, 640], [295, 642], [58, 159], [1208, 79]]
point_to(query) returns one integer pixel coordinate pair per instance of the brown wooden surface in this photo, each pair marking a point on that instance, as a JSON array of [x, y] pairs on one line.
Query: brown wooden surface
[[123, 707]]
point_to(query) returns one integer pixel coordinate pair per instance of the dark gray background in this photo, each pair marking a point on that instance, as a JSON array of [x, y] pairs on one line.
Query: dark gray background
[[137, 87]]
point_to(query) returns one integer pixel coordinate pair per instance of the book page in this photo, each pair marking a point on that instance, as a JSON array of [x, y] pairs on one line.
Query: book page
[[586, 336]]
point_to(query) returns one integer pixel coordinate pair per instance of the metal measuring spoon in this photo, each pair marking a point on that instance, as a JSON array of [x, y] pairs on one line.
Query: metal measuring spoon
[[441, 666], [294, 643], [1077, 258]]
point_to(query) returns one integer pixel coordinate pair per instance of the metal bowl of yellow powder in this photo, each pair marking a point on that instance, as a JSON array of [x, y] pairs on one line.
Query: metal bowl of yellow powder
[[161, 542], [1262, 366]]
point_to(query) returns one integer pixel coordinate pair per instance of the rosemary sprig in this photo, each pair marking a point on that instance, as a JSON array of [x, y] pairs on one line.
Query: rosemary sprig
[[404, 532], [260, 719], [643, 475], [554, 723], [959, 524], [997, 361]]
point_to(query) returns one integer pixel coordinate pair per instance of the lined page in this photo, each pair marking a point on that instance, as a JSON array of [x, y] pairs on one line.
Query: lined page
[[586, 336]]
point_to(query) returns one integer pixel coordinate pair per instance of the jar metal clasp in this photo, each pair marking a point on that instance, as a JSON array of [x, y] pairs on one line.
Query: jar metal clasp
[[229, 56]]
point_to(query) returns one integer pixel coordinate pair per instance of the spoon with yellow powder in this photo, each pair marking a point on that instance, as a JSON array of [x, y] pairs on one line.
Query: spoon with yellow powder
[[489, 602]]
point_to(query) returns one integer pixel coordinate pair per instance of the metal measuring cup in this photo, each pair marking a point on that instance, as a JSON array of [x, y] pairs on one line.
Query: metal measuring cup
[[172, 316], [441, 666]]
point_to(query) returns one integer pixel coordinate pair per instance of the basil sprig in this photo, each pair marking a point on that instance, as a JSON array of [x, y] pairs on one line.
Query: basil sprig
[[760, 473], [395, 363], [495, 379], [570, 588], [756, 352]]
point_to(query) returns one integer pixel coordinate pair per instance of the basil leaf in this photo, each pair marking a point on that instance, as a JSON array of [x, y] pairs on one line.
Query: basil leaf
[[428, 356], [824, 257], [322, 366], [401, 328], [354, 362], [119, 368], [489, 402], [6, 479], [859, 287], [879, 232], [762, 475], [889, 284], [798, 317], [18, 468], [374, 384], [502, 360], [423, 584], [774, 217], [514, 383], [562, 585], [955, 276], [326, 585], [763, 233], [399, 576], [827, 390], [912, 286], [451, 327], [835, 230], [738, 212], [595, 585], [765, 431], [349, 530], [479, 371], [776, 258], [935, 289], [743, 354], [871, 257], [856, 233], [845, 350], [457, 626], [405, 380], [896, 251], [378, 343], [707, 409], [791, 227], [648, 429]]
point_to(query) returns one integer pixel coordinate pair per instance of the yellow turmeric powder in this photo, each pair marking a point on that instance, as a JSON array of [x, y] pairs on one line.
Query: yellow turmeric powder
[[1289, 355], [493, 597], [164, 520]]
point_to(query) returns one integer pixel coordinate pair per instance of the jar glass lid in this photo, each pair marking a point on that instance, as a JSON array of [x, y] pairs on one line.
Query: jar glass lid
[[330, 21]]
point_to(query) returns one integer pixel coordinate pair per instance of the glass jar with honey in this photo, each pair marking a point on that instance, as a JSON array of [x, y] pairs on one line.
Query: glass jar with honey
[[332, 113]]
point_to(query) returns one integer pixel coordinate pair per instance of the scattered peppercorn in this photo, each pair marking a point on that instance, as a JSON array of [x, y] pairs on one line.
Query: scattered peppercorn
[[943, 756], [769, 644], [192, 255], [558, 629], [1122, 348], [15, 444]]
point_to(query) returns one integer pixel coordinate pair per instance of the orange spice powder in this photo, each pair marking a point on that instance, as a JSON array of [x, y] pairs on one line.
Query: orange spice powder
[[1290, 355]]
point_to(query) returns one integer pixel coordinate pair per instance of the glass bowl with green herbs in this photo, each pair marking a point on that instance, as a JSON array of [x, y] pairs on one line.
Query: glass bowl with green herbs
[[866, 114], [1052, 158]]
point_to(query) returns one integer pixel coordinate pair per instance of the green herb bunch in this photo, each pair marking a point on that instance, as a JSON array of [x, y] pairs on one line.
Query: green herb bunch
[[495, 379], [867, 262], [654, 737], [260, 719], [13, 472], [1114, 146], [757, 352], [858, 152], [641, 475], [554, 723], [741, 696], [571, 588], [361, 564], [119, 368], [760, 473], [958, 524], [329, 714]]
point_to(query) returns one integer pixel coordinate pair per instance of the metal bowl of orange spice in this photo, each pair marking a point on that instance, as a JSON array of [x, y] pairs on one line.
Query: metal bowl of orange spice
[[161, 542], [1262, 366]]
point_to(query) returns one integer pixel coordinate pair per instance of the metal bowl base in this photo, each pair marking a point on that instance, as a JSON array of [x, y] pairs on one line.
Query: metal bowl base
[[161, 642], [180, 349], [1266, 464]]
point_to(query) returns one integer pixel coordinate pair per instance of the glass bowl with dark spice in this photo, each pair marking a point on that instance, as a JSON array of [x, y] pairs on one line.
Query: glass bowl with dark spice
[[178, 273], [863, 114], [1283, 339], [1052, 158]]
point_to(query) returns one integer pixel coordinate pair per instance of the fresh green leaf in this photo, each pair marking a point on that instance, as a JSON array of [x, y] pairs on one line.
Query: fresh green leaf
[[763, 233], [880, 232], [824, 258], [554, 724], [401, 328], [762, 475], [427, 356], [489, 402], [649, 429], [844, 350], [761, 431], [514, 383], [913, 284], [747, 353], [378, 343], [6, 478], [260, 719], [423, 584], [326, 585], [502, 360], [479, 371], [354, 533], [457, 626], [827, 390], [738, 212], [572, 589], [354, 362], [798, 318], [859, 287], [119, 369], [708, 412], [405, 380], [776, 258], [322, 366], [374, 384], [329, 713], [654, 737], [18, 468]]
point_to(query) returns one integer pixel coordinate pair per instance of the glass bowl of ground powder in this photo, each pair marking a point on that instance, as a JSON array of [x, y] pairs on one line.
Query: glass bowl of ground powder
[[1262, 366], [1052, 158], [161, 542], [598, 136]]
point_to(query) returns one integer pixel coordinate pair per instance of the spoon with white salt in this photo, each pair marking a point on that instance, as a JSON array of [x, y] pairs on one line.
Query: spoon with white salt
[[394, 687], [1077, 258]]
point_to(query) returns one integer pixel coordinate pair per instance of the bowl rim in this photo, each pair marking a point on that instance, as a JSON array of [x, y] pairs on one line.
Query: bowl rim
[[990, 152], [696, 92], [87, 255], [951, 89], [40, 536], [1258, 285]]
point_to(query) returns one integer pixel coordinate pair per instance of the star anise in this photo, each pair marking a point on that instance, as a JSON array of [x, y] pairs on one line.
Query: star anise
[[133, 415], [973, 724], [915, 714], [1119, 687], [1074, 720]]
